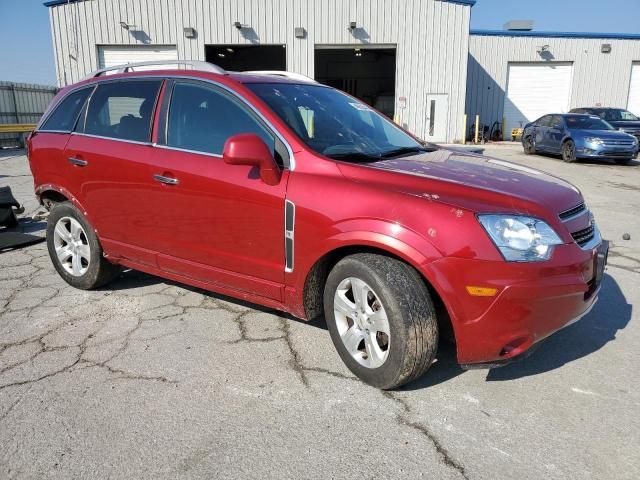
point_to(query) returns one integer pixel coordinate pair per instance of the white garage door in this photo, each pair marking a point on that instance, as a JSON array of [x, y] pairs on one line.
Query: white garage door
[[534, 90], [111, 55], [634, 91]]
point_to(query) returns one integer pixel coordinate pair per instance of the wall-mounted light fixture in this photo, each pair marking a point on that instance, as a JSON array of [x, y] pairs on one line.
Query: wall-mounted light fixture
[[238, 25], [352, 26], [605, 48], [124, 25], [189, 32], [300, 32], [543, 49]]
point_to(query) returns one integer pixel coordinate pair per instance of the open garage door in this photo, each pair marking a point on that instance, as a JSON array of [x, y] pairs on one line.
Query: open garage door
[[536, 89], [240, 58], [111, 55], [634, 90], [366, 73]]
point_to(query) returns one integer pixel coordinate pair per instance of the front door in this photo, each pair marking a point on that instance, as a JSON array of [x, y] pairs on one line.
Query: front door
[[437, 117], [215, 222]]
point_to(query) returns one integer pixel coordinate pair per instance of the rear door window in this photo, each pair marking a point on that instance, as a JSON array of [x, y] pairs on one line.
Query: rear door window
[[544, 121], [65, 114], [202, 119], [556, 121], [123, 110]]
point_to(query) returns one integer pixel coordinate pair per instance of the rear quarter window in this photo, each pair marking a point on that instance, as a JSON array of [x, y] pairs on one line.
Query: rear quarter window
[[65, 114], [123, 110]]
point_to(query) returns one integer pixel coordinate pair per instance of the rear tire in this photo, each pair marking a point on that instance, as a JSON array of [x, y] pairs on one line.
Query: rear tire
[[569, 151], [393, 291], [75, 250], [529, 146]]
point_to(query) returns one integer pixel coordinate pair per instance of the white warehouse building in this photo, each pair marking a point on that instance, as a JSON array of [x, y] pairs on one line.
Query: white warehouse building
[[517, 76], [415, 60], [404, 57]]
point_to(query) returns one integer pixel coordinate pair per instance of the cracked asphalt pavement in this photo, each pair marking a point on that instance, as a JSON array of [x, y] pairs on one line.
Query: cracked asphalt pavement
[[149, 379]]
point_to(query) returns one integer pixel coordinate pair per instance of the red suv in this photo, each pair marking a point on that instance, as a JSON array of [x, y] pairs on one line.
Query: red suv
[[280, 191]]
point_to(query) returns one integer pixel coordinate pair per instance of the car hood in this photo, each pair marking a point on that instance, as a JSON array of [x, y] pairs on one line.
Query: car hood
[[475, 182]]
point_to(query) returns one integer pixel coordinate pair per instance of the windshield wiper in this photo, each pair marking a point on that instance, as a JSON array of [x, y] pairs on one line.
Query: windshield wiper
[[405, 151]]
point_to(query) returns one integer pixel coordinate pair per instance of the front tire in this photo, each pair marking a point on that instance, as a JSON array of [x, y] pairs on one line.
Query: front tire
[[75, 250], [569, 151], [381, 319]]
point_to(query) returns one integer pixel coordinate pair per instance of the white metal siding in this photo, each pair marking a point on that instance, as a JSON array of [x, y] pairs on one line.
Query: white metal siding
[[598, 78], [633, 105], [111, 55], [534, 90], [431, 37]]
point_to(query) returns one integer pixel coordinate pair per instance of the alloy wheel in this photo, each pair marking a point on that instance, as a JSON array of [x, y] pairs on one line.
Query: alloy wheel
[[362, 322], [71, 246]]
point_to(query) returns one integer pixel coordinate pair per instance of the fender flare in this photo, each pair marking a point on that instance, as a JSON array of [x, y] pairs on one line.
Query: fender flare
[[40, 189]]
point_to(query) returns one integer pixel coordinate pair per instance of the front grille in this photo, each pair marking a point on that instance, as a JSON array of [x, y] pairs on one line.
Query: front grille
[[573, 211], [582, 237], [622, 143]]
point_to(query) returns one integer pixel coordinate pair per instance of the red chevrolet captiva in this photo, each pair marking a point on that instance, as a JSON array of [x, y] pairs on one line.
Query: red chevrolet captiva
[[274, 189]]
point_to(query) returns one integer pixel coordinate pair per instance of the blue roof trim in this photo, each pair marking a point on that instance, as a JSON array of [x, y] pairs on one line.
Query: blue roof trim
[[470, 3], [53, 3], [510, 33]]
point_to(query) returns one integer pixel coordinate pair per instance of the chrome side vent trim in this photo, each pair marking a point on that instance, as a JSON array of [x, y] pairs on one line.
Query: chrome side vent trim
[[289, 226]]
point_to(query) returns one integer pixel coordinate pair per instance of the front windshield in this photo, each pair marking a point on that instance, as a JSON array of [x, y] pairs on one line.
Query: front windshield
[[583, 122], [334, 124]]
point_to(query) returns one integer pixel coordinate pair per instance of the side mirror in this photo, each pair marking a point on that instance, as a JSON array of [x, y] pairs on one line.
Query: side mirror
[[250, 149]]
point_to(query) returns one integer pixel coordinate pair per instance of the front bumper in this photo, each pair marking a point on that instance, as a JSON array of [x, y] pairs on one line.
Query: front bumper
[[534, 300], [604, 153]]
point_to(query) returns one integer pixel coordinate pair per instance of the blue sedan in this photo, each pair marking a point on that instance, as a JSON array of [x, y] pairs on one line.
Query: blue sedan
[[576, 136]]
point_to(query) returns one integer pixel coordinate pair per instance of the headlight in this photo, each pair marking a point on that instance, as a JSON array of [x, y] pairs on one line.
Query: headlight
[[519, 238], [594, 140]]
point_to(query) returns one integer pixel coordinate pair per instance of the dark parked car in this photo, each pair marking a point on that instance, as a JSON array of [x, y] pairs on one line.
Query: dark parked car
[[576, 136], [618, 117], [278, 190]]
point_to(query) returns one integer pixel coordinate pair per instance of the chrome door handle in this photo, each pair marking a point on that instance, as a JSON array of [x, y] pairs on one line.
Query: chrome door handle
[[168, 180], [78, 162]]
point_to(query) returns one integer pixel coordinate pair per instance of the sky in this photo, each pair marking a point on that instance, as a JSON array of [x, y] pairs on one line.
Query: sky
[[26, 54]]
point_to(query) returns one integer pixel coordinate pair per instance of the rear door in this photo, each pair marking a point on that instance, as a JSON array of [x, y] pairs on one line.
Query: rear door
[[110, 153], [212, 221], [554, 134], [541, 128]]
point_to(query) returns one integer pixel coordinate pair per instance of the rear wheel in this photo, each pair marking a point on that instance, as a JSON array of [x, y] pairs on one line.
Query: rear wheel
[[529, 146], [569, 151], [381, 319], [75, 250]]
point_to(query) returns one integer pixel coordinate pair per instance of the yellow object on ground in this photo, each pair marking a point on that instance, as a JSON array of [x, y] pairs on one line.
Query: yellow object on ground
[[17, 127]]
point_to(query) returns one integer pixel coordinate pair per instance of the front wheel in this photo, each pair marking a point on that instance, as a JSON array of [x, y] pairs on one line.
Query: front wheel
[[75, 250], [569, 151], [381, 319]]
